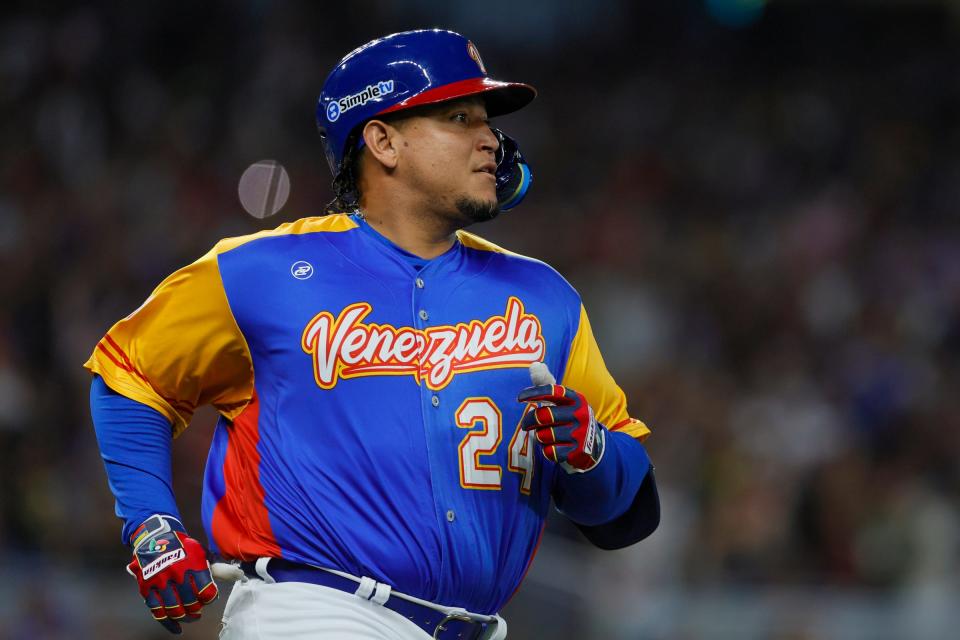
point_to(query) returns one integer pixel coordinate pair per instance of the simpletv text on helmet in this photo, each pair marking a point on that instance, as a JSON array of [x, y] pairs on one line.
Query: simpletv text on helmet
[[372, 91]]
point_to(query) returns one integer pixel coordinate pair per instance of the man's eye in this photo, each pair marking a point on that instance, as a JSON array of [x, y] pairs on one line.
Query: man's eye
[[460, 117]]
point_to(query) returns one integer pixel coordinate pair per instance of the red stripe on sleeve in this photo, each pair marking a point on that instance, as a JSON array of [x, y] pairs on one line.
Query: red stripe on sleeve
[[124, 364], [111, 357], [127, 363]]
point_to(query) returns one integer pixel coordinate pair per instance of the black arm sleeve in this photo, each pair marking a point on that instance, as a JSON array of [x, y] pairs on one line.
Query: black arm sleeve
[[640, 520]]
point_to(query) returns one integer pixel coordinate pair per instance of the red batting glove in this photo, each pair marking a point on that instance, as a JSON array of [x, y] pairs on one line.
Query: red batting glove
[[563, 423], [172, 571]]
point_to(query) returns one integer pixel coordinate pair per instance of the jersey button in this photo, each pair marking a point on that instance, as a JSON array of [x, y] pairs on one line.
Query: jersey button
[[451, 516], [435, 401], [424, 315], [419, 283]]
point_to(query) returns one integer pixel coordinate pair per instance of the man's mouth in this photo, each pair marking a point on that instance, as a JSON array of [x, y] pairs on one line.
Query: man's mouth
[[488, 167]]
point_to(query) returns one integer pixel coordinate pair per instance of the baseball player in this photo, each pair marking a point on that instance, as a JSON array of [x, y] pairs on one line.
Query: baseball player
[[391, 431]]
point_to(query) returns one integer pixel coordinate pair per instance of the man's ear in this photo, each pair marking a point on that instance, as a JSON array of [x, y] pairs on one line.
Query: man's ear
[[381, 141]]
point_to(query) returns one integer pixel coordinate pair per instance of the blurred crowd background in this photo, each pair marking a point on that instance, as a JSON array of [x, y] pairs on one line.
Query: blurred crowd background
[[757, 201]]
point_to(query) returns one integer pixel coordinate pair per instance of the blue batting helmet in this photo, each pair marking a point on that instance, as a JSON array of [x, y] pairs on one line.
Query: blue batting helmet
[[401, 71]]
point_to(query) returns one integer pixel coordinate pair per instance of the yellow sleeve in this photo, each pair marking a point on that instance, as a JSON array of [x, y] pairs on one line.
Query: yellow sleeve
[[587, 374], [181, 349]]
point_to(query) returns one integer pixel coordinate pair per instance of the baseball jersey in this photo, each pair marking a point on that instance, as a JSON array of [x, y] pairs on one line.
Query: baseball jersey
[[368, 413]]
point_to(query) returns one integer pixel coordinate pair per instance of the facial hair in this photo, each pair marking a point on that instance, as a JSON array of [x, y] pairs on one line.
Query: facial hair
[[474, 210]]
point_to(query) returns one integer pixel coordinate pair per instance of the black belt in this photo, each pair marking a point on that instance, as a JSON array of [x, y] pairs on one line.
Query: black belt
[[436, 623]]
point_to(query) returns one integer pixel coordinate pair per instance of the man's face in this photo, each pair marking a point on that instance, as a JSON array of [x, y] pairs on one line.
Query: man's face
[[448, 156]]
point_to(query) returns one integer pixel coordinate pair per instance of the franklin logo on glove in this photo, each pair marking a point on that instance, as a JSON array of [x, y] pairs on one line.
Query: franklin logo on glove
[[163, 561], [177, 584]]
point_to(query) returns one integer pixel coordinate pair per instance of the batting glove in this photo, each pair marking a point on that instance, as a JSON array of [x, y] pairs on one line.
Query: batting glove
[[563, 423], [172, 571]]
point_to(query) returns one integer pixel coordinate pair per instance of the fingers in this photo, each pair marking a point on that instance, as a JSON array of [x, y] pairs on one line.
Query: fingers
[[557, 452], [550, 453], [172, 605], [188, 596], [162, 604], [547, 416], [153, 602], [197, 590], [553, 422], [545, 436], [171, 625], [544, 415], [555, 393], [206, 588]]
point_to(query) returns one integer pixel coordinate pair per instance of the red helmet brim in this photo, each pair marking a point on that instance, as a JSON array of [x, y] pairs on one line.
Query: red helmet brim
[[501, 97]]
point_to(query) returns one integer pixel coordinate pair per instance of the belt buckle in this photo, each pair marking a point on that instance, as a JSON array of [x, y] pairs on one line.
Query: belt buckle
[[453, 615]]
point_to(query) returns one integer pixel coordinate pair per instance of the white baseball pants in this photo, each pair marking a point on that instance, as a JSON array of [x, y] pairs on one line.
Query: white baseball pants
[[257, 610]]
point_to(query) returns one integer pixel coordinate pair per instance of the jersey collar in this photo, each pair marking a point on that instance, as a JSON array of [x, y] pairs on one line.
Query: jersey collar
[[413, 261]]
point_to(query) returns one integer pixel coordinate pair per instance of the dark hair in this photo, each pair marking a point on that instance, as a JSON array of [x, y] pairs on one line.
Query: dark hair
[[346, 187]]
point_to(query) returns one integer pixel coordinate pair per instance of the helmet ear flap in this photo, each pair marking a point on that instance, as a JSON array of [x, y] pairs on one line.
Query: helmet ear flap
[[346, 194], [513, 173], [328, 150]]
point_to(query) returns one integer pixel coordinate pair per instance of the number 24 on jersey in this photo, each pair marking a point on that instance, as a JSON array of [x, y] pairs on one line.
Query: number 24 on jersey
[[484, 419]]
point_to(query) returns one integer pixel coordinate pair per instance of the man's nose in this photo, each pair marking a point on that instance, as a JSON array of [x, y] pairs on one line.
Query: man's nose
[[488, 141]]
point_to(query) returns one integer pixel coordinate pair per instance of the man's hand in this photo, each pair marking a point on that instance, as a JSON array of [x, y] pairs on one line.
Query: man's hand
[[564, 424], [172, 571]]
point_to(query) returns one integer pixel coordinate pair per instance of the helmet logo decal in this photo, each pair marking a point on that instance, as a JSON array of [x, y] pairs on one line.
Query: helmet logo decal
[[371, 92], [473, 53]]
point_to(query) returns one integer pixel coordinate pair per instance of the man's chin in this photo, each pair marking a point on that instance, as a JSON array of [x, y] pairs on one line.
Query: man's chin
[[475, 210]]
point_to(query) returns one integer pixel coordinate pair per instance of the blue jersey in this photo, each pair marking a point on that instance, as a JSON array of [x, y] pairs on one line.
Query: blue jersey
[[369, 420]]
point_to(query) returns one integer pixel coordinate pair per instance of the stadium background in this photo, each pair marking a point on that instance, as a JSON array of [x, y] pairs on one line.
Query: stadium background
[[757, 200]]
